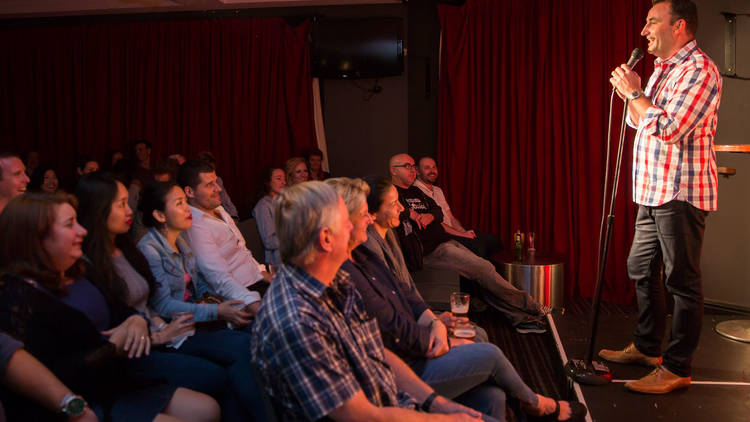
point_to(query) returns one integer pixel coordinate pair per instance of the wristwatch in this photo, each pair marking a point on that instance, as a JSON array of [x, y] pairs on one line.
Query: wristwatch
[[72, 405], [635, 94]]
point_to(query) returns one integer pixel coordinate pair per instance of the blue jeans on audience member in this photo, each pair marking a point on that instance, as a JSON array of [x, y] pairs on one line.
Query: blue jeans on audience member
[[477, 375], [181, 370], [231, 350]]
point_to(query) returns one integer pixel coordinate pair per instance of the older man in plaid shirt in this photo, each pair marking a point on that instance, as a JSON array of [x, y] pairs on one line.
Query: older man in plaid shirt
[[318, 352], [674, 183]]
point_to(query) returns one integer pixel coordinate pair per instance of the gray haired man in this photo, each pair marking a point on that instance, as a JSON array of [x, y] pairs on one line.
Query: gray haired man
[[318, 352]]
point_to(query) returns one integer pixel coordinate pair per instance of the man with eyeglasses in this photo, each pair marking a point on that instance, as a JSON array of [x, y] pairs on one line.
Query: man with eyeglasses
[[424, 217]]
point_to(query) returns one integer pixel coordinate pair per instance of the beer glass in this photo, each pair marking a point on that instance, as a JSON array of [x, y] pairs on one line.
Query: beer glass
[[460, 304]]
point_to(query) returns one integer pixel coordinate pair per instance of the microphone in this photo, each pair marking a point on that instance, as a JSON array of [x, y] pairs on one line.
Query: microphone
[[635, 56]]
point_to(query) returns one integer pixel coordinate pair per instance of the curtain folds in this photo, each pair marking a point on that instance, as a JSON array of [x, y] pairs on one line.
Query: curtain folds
[[240, 87], [522, 125]]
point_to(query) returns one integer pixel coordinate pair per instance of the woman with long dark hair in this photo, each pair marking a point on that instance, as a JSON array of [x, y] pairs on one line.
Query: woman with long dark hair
[[180, 287], [124, 272], [64, 320]]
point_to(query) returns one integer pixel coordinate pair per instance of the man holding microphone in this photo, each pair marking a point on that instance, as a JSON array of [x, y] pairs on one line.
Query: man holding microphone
[[675, 185]]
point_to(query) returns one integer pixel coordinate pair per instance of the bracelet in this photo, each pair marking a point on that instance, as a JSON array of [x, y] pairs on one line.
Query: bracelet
[[428, 402], [160, 326]]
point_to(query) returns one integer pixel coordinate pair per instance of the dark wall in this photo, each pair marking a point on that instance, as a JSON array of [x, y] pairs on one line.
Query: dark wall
[[726, 249], [365, 119], [364, 129]]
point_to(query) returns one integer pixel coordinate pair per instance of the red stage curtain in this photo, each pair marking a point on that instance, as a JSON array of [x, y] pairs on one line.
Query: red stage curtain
[[240, 87], [522, 124]]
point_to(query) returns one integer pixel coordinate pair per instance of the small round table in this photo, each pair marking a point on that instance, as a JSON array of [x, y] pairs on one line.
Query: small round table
[[540, 274]]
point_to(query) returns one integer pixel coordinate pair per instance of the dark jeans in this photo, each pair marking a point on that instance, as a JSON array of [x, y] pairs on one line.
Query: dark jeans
[[484, 245], [231, 350], [515, 304], [672, 233]]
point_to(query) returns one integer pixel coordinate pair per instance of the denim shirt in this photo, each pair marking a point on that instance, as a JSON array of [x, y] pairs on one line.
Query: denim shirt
[[167, 266]]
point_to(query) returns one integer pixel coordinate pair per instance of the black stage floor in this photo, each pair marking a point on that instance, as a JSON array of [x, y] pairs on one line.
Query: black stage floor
[[721, 372]]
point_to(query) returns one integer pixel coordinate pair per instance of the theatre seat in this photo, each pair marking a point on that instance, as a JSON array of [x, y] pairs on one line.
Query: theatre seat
[[249, 231], [436, 286]]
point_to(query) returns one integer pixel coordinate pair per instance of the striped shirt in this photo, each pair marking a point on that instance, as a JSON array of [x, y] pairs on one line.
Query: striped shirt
[[315, 347], [673, 156]]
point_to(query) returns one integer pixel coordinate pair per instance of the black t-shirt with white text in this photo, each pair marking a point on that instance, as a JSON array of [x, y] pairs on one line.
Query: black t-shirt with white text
[[432, 235]]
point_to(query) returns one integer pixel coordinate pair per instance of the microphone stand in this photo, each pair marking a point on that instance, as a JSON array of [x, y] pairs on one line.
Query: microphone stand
[[588, 371]]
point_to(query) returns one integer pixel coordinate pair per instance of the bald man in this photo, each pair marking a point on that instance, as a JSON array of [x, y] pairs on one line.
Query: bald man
[[423, 216]]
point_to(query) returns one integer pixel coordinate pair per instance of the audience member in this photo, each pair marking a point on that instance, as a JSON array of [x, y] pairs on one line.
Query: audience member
[[44, 179], [226, 201], [477, 374], [142, 171], [217, 243], [314, 159], [382, 241], [13, 178], [123, 275], [424, 217], [178, 158], [272, 181], [22, 374], [296, 171], [86, 165], [482, 244], [114, 157], [41, 288], [318, 352], [32, 162], [181, 287], [166, 171]]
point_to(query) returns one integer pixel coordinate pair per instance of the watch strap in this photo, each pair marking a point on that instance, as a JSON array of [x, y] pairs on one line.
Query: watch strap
[[428, 402]]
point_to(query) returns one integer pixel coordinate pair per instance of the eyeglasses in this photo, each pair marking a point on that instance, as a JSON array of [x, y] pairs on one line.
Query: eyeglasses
[[407, 166]]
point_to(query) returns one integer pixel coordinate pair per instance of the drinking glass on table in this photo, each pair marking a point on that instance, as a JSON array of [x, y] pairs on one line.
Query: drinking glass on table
[[531, 242]]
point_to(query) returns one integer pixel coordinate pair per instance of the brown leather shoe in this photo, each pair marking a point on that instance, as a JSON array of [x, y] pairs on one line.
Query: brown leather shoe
[[660, 381], [629, 355]]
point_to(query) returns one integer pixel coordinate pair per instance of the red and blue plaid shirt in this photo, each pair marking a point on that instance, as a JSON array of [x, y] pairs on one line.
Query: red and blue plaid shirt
[[673, 155], [315, 347]]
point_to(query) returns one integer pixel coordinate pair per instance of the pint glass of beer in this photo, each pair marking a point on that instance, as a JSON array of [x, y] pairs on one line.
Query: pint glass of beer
[[460, 304]]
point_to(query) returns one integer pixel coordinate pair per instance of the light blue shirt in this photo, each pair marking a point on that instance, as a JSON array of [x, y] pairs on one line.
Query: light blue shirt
[[263, 214]]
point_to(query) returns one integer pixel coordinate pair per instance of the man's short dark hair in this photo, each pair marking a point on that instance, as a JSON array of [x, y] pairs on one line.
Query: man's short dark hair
[[190, 171], [424, 157], [81, 162], [313, 152], [141, 141], [683, 9], [3, 156], [207, 157]]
